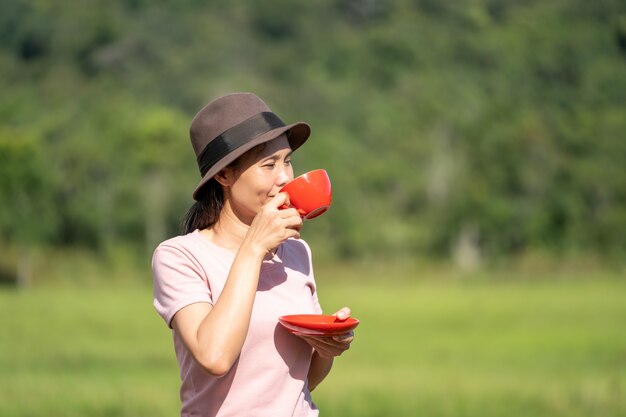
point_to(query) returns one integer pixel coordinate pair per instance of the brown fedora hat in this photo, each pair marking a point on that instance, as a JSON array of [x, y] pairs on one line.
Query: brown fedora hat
[[230, 125]]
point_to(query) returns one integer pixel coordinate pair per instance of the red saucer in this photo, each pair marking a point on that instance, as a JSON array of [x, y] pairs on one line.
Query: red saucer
[[317, 324]]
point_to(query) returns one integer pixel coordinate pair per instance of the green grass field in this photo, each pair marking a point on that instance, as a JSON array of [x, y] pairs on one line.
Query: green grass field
[[433, 345]]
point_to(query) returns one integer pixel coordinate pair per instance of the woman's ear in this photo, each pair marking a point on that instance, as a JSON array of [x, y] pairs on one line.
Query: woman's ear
[[225, 177]]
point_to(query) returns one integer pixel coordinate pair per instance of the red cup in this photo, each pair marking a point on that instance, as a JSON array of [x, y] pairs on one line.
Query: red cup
[[309, 193]]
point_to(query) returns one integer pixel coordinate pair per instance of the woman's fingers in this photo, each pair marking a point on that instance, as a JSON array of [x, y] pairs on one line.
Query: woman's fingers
[[344, 338], [324, 349], [272, 226], [330, 346], [343, 314], [339, 340], [293, 220], [279, 200]]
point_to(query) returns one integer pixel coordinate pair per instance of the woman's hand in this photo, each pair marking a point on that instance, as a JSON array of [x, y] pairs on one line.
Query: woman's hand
[[330, 346], [272, 226]]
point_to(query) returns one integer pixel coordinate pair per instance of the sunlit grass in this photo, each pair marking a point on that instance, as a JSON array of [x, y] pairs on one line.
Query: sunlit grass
[[436, 345], [486, 347]]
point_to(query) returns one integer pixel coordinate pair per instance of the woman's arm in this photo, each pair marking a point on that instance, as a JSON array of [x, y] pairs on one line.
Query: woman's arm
[[214, 334], [325, 350], [214, 345], [320, 367]]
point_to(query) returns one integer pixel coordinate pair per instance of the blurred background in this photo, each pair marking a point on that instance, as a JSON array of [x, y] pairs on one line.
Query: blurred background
[[477, 152]]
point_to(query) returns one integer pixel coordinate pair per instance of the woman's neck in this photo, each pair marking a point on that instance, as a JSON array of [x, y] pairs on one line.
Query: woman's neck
[[230, 229]]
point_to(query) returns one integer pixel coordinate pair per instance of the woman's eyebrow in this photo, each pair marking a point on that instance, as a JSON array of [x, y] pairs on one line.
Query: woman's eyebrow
[[276, 156]]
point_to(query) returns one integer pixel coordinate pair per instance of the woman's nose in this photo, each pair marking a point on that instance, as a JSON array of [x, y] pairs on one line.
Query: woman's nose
[[283, 178]]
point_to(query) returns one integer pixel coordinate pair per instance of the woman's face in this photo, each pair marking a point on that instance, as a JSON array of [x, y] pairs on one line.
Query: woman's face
[[258, 176]]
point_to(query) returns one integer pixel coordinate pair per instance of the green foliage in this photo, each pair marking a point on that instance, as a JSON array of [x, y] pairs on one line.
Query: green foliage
[[27, 213], [502, 118]]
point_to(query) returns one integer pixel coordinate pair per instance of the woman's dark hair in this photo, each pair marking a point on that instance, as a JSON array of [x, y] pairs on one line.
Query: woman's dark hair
[[205, 212]]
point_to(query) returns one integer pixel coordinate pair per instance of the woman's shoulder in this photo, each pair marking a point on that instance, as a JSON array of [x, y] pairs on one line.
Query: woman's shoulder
[[194, 246], [187, 245], [179, 241]]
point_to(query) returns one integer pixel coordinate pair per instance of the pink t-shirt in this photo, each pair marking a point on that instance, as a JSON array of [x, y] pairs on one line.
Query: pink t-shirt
[[270, 376]]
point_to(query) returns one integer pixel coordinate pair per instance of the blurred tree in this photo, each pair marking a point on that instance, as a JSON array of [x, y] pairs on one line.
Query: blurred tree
[[473, 129], [27, 213]]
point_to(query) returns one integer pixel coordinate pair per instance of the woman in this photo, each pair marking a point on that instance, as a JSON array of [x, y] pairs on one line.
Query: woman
[[240, 265]]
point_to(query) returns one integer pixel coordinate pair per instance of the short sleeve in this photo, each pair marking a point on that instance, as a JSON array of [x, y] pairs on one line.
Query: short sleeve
[[179, 281]]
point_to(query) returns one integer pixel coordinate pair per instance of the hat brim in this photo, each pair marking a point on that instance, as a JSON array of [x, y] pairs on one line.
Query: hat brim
[[297, 134]]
